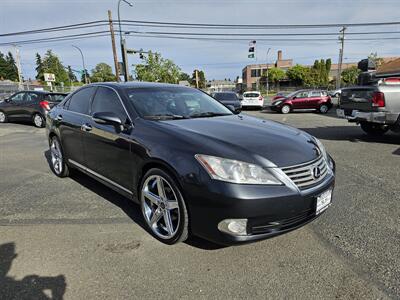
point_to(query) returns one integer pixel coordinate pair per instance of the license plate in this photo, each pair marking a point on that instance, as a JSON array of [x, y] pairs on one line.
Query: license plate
[[340, 113], [323, 201]]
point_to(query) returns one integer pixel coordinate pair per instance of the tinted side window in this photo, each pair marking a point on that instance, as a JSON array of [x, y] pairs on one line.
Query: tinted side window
[[32, 97], [80, 101], [18, 97], [106, 100]]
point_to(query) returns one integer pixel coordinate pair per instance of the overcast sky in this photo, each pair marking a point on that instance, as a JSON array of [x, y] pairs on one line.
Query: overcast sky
[[219, 59]]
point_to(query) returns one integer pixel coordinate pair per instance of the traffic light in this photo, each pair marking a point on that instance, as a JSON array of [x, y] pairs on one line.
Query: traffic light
[[252, 49]]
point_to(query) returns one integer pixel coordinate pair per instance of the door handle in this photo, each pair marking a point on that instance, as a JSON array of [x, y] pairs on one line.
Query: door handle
[[58, 118], [86, 127]]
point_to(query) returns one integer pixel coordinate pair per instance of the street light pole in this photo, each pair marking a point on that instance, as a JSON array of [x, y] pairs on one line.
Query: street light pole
[[83, 63], [121, 42], [269, 49]]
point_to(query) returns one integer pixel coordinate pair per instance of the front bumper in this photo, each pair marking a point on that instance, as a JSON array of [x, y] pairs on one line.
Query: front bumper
[[270, 210], [379, 117]]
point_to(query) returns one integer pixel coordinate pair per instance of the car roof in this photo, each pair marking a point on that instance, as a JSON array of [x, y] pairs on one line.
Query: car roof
[[136, 84], [227, 92], [42, 92]]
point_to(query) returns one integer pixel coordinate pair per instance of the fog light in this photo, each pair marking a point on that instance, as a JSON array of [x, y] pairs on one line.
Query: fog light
[[233, 226]]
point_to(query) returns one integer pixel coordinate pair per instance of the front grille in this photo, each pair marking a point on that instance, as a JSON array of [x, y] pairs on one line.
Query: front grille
[[303, 175]]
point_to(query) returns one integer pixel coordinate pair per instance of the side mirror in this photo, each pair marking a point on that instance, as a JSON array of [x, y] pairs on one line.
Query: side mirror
[[7, 100], [107, 118], [232, 109]]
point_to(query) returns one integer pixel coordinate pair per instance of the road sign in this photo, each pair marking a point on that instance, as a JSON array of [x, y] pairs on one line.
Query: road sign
[[49, 77]]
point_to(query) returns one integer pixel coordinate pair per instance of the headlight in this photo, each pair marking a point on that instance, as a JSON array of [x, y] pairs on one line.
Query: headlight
[[236, 171], [322, 149], [278, 102]]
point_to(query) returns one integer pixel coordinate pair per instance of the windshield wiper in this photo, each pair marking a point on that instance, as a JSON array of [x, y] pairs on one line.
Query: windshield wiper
[[165, 117], [208, 114]]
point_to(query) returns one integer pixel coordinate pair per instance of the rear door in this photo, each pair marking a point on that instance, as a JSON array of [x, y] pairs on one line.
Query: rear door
[[71, 118], [314, 98], [31, 103], [107, 148]]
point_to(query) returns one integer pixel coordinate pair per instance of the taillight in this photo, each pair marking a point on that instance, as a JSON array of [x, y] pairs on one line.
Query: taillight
[[260, 98], [45, 105], [378, 99]]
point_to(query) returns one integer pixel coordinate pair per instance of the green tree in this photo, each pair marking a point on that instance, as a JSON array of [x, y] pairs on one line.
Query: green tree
[[350, 75], [3, 67], [52, 64], [11, 69], [102, 73], [71, 74], [157, 69], [274, 75], [328, 66], [39, 67], [184, 76], [202, 79], [298, 74]]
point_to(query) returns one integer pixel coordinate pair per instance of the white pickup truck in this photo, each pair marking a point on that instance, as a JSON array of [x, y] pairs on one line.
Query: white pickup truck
[[375, 107]]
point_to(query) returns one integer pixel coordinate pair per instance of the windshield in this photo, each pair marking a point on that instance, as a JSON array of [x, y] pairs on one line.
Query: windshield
[[174, 103], [292, 94], [225, 96]]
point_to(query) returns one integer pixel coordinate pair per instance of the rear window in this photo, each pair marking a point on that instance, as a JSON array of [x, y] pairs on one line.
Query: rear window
[[359, 95], [251, 95], [55, 97], [225, 96]]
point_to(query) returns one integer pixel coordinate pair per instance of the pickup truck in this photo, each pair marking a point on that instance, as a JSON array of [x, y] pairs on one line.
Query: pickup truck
[[375, 107]]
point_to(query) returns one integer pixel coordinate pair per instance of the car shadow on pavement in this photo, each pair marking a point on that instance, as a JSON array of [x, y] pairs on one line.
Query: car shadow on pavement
[[351, 133], [130, 208], [29, 287]]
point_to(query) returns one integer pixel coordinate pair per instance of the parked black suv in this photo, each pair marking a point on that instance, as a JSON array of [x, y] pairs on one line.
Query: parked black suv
[[192, 165], [29, 105]]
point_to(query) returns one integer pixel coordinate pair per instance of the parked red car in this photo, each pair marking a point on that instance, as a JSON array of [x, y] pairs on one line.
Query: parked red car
[[303, 99]]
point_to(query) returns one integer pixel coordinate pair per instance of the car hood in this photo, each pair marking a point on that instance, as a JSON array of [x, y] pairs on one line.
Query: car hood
[[246, 138]]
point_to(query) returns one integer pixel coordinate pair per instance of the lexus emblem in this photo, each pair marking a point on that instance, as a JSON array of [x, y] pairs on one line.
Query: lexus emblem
[[316, 171]]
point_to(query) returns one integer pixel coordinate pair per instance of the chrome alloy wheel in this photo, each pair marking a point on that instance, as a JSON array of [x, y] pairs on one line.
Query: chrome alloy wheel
[[160, 207], [38, 120], [2, 117], [56, 156]]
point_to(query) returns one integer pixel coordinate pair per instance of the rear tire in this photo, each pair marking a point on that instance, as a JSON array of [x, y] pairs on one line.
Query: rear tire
[[38, 120], [3, 117], [163, 207], [285, 109], [374, 129], [57, 158]]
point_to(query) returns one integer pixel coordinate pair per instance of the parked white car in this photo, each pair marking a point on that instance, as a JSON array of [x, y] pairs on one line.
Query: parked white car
[[252, 99]]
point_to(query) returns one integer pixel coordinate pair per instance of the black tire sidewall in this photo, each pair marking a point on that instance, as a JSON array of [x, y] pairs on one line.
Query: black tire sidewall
[[286, 105], [327, 109], [33, 120], [5, 117], [183, 230], [65, 172]]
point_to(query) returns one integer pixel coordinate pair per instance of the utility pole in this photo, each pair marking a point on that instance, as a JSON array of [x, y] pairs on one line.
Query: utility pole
[[197, 78], [18, 62], [269, 49], [339, 73], [125, 60], [113, 45]]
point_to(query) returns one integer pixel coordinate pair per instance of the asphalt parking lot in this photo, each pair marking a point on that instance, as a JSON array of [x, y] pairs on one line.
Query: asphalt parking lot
[[77, 239]]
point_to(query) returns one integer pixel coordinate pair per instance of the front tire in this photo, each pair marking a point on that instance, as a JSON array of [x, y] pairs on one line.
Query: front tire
[[3, 117], [163, 207], [38, 120], [57, 158], [374, 129], [323, 109], [285, 109]]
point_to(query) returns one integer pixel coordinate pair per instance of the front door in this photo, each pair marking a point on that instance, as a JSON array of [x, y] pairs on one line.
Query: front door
[[108, 148], [300, 100], [13, 109]]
